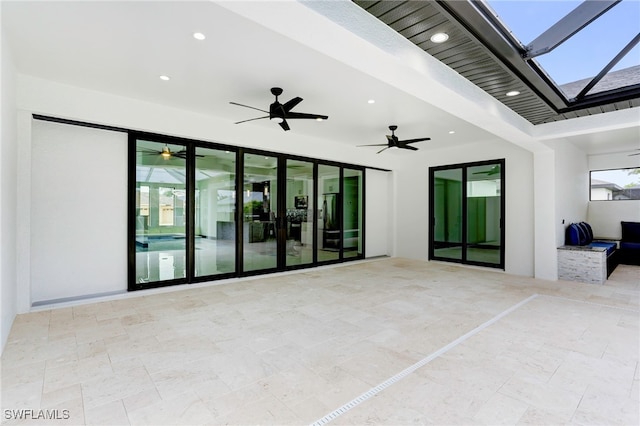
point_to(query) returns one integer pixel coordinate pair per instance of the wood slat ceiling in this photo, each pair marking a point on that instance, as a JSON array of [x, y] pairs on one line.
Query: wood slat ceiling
[[418, 20]]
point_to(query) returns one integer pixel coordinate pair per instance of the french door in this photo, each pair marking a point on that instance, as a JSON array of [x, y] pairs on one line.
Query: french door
[[199, 212], [466, 213]]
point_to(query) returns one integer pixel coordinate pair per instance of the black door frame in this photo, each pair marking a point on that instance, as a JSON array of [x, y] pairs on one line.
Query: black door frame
[[432, 222], [191, 145]]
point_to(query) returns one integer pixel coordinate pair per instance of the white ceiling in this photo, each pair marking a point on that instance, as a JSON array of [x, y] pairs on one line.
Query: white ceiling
[[123, 48]]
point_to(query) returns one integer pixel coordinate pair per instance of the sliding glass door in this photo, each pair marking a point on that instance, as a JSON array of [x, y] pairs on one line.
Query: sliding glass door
[[160, 221], [259, 212], [484, 214], [352, 212], [300, 202], [329, 242], [446, 191], [467, 213], [215, 212], [200, 212]]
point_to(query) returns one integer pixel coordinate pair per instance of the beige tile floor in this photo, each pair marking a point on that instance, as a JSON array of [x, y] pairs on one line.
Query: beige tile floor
[[476, 347]]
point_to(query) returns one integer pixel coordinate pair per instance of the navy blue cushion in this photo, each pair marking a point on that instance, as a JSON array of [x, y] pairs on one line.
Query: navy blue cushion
[[572, 235], [629, 246], [575, 235], [609, 246], [588, 230], [631, 231]]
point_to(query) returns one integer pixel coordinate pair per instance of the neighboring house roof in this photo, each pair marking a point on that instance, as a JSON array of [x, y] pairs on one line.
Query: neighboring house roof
[[597, 183], [612, 80]]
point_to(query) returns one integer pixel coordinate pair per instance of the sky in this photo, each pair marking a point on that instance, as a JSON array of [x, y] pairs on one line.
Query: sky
[[587, 52], [619, 177]]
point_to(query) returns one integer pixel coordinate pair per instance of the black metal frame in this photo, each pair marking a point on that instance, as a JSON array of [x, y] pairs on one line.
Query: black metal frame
[[478, 21], [190, 167], [464, 244], [281, 209], [191, 145]]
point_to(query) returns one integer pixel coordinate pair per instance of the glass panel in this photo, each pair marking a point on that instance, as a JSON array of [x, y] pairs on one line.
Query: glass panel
[[620, 184], [160, 211], [447, 239], [329, 220], [483, 213], [580, 58], [215, 206], [593, 48], [299, 215], [527, 19], [352, 211], [260, 200]]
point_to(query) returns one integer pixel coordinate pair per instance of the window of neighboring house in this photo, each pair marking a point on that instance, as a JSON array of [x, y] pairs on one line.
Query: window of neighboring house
[[615, 184]]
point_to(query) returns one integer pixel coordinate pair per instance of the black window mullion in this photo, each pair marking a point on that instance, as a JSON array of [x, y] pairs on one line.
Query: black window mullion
[[464, 213], [340, 210], [131, 208], [502, 211], [239, 216], [432, 213], [191, 209], [281, 212], [315, 213], [363, 212]]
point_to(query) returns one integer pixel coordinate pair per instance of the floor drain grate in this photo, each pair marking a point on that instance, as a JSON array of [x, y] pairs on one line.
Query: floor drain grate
[[379, 388]]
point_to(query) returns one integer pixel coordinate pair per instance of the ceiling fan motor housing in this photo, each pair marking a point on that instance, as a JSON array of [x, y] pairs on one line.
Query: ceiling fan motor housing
[[276, 112]]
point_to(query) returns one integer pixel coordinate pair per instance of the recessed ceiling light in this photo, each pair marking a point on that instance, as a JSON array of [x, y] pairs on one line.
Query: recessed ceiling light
[[199, 36], [371, 101], [439, 37], [165, 77], [451, 132], [513, 93]]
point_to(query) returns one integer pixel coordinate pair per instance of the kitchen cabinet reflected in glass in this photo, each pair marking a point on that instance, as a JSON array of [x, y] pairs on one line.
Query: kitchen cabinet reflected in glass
[[299, 213], [352, 213], [260, 200], [330, 211]]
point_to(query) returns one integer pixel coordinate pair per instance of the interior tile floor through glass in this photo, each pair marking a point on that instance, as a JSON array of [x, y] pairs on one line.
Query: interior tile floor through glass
[[218, 257], [389, 341]]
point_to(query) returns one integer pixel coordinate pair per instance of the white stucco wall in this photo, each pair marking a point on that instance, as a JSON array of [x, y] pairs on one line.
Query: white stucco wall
[[78, 211], [572, 196], [8, 194], [379, 225], [545, 187]]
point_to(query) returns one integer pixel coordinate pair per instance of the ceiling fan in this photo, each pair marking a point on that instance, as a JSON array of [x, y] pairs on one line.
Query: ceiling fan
[[394, 142], [166, 152], [492, 171], [281, 112]]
